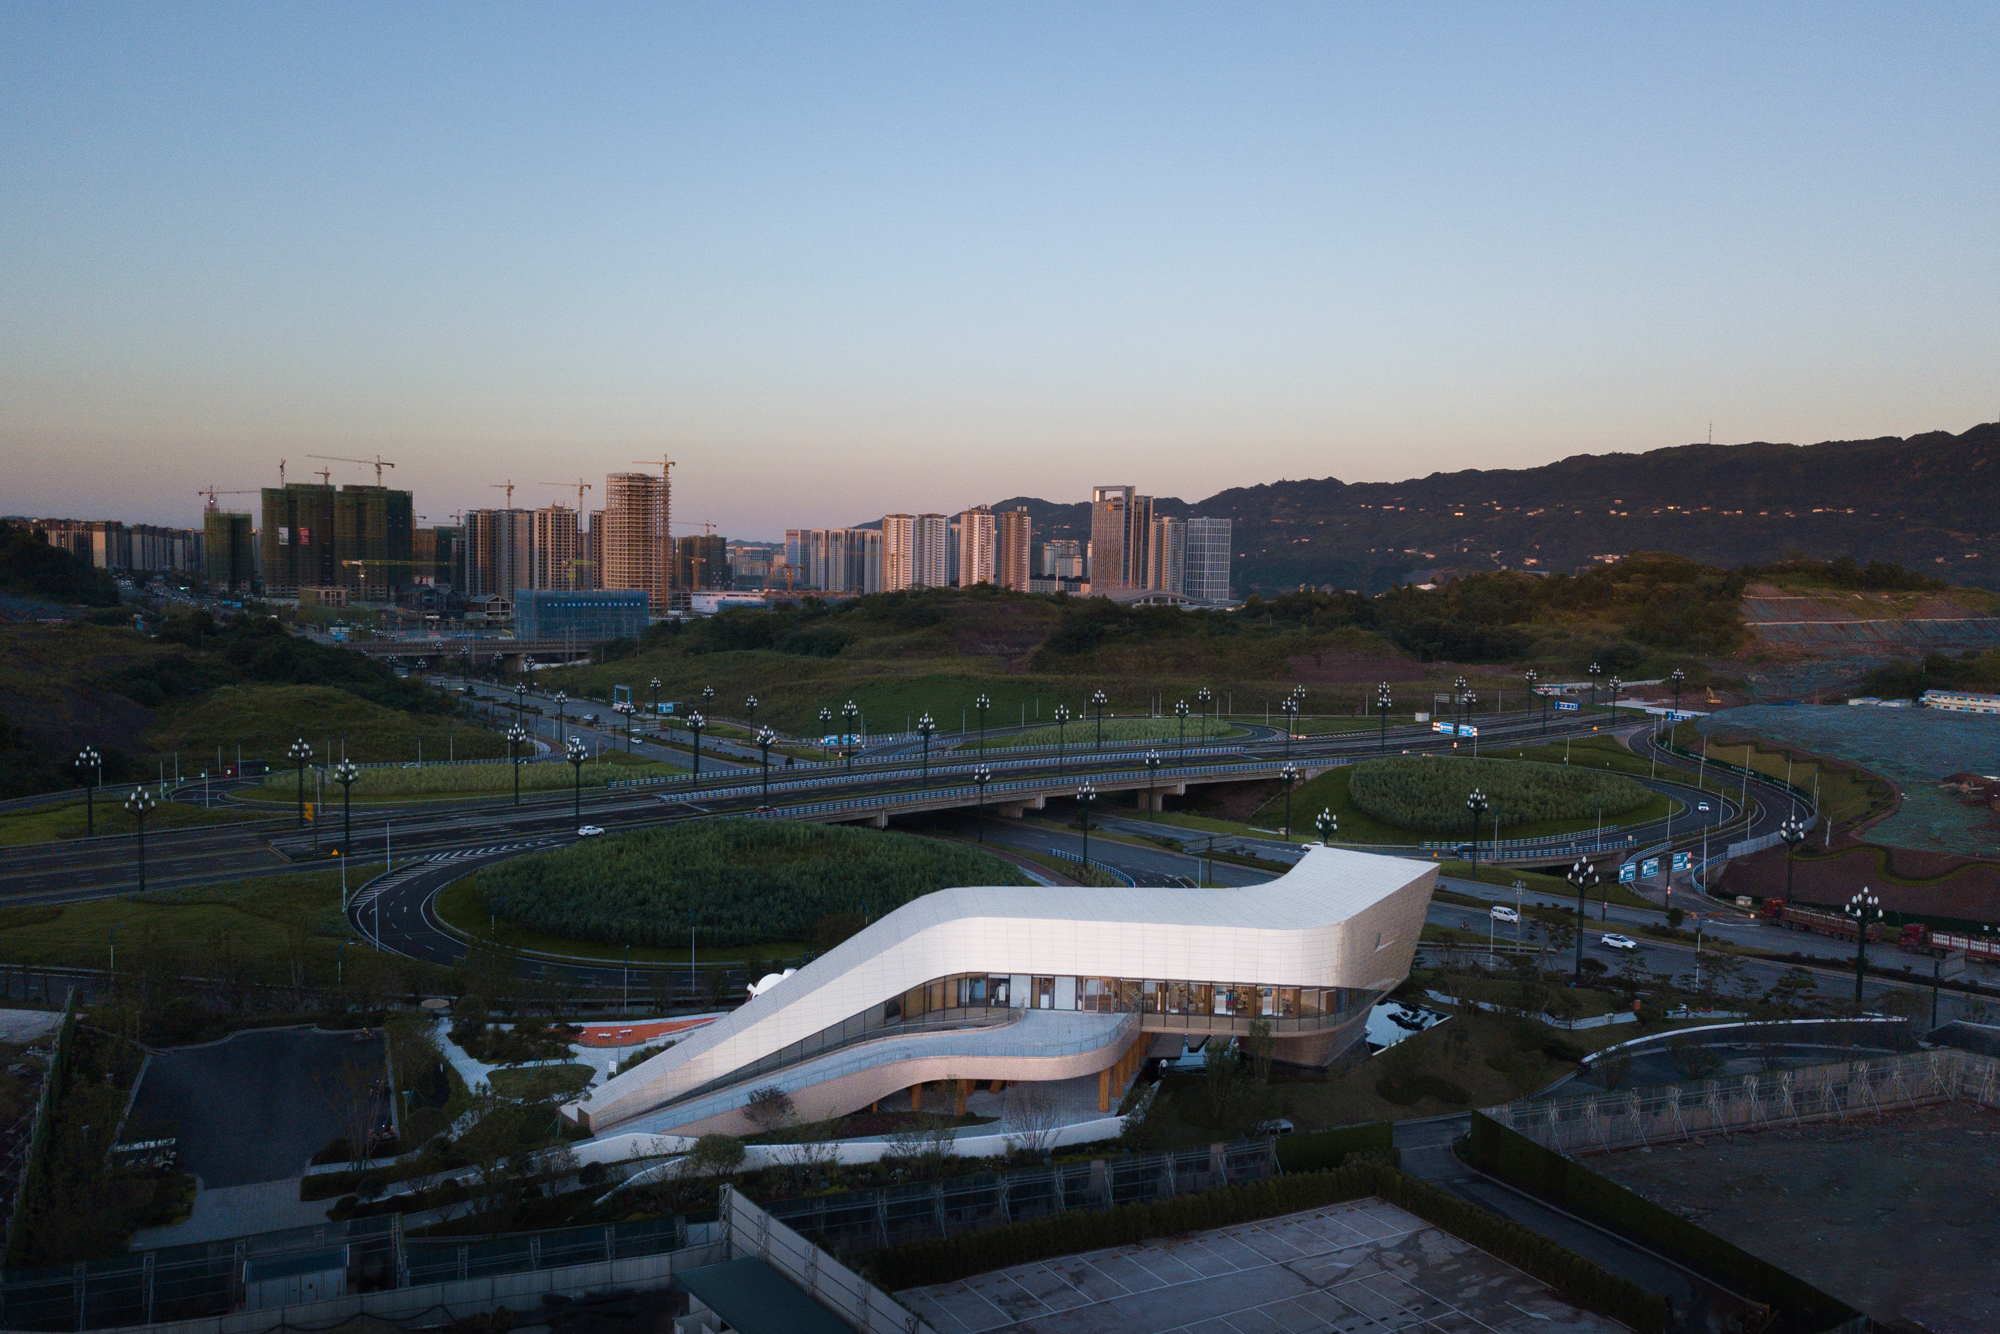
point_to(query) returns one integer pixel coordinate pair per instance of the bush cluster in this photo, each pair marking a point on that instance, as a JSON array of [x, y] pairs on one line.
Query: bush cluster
[[740, 882], [1087, 1230], [1428, 795], [1406, 1092]]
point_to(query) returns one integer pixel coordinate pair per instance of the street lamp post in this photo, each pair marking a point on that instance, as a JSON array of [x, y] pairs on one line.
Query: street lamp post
[[980, 706], [1533, 676], [825, 724], [520, 699], [708, 697], [1203, 698], [1098, 701], [926, 729], [1677, 681], [1865, 909], [766, 738], [1793, 832], [1476, 806], [655, 683], [577, 753], [849, 712], [301, 754], [139, 803], [1062, 722], [1583, 875], [750, 710], [1181, 714], [1289, 706], [1085, 795], [1595, 672], [1290, 775], [982, 776], [1382, 703], [695, 722], [1617, 684], [1152, 774], [1328, 825], [90, 766], [515, 738], [1470, 699], [562, 702], [345, 774]]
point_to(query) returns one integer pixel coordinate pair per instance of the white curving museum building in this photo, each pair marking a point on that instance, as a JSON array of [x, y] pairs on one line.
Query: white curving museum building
[[1007, 984]]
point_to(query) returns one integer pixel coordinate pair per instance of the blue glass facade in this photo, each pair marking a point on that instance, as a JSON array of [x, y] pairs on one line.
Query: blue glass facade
[[551, 613]]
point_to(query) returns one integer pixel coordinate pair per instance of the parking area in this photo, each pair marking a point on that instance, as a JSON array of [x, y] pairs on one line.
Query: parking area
[[257, 1105], [1364, 1265]]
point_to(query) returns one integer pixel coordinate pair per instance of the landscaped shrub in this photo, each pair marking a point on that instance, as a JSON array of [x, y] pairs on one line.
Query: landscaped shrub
[[1404, 1092], [1326, 1149], [1089, 1229], [1428, 795], [737, 882]]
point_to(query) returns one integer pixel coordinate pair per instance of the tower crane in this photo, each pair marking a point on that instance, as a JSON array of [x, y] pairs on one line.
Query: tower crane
[[508, 487], [581, 487], [378, 463], [213, 491]]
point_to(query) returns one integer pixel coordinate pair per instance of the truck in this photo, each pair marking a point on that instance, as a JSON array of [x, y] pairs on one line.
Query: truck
[[1820, 921], [1922, 938]]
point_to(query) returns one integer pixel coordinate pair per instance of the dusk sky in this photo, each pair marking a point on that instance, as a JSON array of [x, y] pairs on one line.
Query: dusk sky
[[844, 259]]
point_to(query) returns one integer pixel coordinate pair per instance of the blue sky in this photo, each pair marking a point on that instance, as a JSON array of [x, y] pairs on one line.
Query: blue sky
[[838, 260]]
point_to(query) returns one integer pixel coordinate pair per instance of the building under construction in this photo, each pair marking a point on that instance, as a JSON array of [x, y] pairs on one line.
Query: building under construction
[[357, 537]]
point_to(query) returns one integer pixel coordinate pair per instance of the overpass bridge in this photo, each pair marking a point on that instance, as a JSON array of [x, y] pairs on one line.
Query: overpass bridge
[[429, 652]]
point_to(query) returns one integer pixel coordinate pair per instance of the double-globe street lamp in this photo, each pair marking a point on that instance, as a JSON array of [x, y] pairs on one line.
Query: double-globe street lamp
[[1203, 698], [562, 729], [1476, 805], [140, 803], [695, 722], [1866, 910], [850, 714], [1792, 832], [577, 754], [1181, 713], [1152, 775], [982, 776], [90, 771], [1595, 672], [1062, 722], [1289, 706], [346, 774], [1582, 875], [516, 738], [1533, 676], [1382, 703], [1288, 775], [980, 706], [1617, 685], [766, 738], [301, 754], [1328, 825], [1097, 701], [926, 729]]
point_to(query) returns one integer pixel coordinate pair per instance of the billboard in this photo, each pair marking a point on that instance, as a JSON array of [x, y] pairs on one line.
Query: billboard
[[1567, 706]]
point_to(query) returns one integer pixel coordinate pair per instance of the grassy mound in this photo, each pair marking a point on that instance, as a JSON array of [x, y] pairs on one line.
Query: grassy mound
[[265, 719], [1429, 795], [737, 881]]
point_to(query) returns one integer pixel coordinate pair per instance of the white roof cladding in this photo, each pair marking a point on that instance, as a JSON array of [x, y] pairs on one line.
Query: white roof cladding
[[1336, 919]]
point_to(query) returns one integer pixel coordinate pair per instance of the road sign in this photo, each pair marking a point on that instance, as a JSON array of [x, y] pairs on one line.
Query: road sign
[[1567, 706], [309, 812], [1650, 867], [1951, 966], [1680, 861], [1628, 873]]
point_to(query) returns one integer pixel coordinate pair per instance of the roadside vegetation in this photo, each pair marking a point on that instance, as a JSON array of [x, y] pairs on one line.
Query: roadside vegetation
[[735, 881], [458, 780], [1429, 794], [44, 824]]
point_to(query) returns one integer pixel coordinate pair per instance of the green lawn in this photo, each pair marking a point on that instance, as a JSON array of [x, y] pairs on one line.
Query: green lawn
[[264, 720], [48, 823], [1080, 738], [539, 1082], [463, 780], [459, 907]]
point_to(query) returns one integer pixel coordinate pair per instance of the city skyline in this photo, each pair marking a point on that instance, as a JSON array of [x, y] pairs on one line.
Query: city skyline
[[837, 264]]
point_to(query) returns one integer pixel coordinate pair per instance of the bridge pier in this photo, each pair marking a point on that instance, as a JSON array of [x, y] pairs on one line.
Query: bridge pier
[[1014, 810], [880, 819]]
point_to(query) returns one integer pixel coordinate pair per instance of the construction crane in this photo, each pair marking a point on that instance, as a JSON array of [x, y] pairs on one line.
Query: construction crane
[[581, 487], [213, 491], [508, 487], [666, 465], [378, 463]]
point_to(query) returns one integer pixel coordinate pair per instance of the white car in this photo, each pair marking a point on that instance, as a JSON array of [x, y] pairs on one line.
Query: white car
[[1618, 942], [590, 831], [1500, 912]]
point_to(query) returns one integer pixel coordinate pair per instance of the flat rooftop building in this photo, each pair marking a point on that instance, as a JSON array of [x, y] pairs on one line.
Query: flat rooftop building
[[1034, 984]]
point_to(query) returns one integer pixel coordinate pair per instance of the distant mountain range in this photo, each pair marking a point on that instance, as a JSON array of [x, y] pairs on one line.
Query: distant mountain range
[[1927, 502]]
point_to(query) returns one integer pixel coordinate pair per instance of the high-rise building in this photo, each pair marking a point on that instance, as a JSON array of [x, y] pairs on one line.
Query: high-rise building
[[499, 552], [1015, 542], [556, 543], [1062, 558], [703, 563], [1166, 554], [1207, 564], [226, 540], [590, 547], [975, 546], [298, 539], [1120, 523], [635, 551], [899, 551], [372, 531], [831, 560], [930, 551], [435, 555]]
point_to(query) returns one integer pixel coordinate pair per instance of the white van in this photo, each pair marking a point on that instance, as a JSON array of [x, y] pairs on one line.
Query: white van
[[1500, 912]]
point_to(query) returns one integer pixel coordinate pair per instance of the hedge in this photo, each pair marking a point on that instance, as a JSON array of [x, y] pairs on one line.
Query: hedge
[[1078, 1230], [1326, 1149], [1429, 795], [738, 882], [1513, 1157]]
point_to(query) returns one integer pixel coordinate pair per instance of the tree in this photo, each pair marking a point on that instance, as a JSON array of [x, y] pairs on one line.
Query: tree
[[1222, 1072], [1033, 1120], [1612, 1068], [1794, 993], [1693, 1058], [770, 1109], [716, 1155], [1259, 1044]]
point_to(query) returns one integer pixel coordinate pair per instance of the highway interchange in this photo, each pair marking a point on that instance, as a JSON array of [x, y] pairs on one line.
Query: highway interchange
[[438, 841]]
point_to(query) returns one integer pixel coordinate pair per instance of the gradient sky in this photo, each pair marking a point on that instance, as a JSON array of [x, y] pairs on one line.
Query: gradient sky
[[842, 259]]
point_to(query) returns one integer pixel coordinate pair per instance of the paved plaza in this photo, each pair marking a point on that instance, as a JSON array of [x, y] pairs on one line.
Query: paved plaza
[[1348, 1268]]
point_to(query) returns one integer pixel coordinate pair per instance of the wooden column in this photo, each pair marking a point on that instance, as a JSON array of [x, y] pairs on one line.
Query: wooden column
[[996, 1085], [1104, 1089], [964, 1087], [916, 1097]]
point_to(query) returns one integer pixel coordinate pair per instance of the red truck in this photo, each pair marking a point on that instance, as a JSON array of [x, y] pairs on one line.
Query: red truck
[[1822, 921], [1915, 938]]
